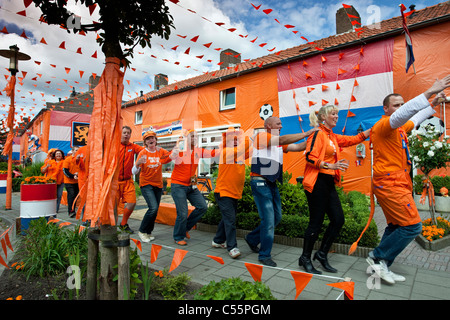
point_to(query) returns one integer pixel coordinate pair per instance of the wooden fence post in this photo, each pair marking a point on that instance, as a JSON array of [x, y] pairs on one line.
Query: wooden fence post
[[124, 266], [91, 281]]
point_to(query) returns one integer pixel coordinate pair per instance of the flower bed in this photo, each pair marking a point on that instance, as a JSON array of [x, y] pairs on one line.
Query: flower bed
[[435, 237]]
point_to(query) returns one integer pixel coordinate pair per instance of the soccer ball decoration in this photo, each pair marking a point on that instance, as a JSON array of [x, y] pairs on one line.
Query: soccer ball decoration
[[266, 111]]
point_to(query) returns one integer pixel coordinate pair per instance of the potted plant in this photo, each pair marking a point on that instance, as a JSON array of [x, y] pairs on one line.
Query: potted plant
[[429, 151]]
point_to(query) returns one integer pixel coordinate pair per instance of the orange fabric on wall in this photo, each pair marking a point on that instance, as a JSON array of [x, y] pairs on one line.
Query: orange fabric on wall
[[431, 48]]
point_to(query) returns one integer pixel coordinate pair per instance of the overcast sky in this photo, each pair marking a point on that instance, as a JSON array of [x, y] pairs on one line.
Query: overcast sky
[[210, 20]]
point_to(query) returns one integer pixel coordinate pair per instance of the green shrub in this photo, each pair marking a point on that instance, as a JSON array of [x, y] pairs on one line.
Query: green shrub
[[295, 218], [437, 181], [234, 289], [172, 287], [45, 248]]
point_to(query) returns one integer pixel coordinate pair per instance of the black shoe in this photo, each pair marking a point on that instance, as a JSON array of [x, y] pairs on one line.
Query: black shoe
[[268, 262], [255, 249], [126, 228], [306, 263], [322, 257], [72, 214]]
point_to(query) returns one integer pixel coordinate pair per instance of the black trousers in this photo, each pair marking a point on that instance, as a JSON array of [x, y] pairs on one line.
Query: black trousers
[[72, 192], [324, 200]]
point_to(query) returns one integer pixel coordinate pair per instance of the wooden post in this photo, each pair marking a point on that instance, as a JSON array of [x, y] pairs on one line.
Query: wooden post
[[124, 266], [108, 254], [91, 281]]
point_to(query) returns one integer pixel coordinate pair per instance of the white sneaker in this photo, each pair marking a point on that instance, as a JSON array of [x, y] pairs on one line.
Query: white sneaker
[[150, 236], [218, 245], [145, 237], [234, 253], [397, 277], [381, 270]]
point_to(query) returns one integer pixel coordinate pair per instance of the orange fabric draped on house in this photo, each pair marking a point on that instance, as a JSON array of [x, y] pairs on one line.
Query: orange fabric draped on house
[[99, 192]]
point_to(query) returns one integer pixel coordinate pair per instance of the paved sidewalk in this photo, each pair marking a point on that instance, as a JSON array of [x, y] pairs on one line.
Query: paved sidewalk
[[427, 273]]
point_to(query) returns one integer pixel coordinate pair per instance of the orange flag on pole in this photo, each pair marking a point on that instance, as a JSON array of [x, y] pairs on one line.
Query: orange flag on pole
[[178, 256], [301, 280], [255, 271]]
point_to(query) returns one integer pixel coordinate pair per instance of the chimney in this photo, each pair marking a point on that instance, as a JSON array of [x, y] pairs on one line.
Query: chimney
[[344, 22], [93, 82], [230, 58], [161, 80]]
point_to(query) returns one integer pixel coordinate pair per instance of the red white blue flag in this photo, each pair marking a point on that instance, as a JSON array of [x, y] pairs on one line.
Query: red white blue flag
[[409, 46]]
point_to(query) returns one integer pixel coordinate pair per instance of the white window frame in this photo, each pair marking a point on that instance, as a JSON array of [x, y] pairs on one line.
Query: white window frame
[[223, 95], [136, 119]]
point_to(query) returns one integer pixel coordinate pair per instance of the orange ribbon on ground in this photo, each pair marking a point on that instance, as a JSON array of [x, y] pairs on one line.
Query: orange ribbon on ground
[[372, 211]]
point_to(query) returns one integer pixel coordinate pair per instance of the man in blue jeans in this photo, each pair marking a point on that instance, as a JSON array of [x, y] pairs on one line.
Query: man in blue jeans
[[184, 185], [266, 170]]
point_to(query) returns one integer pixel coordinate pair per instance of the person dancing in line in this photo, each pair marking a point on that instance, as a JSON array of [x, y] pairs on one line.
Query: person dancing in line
[[54, 169], [230, 181], [391, 182], [149, 164], [126, 193], [322, 172]]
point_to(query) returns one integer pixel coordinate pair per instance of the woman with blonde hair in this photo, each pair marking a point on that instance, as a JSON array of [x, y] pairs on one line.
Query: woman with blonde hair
[[322, 172]]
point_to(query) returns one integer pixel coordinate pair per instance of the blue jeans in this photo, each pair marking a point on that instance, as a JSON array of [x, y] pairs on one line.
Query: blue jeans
[[395, 239], [183, 223], [226, 230], [268, 202], [59, 192], [152, 196]]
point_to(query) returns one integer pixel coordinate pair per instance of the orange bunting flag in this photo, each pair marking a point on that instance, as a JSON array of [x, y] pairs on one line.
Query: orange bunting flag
[[154, 252], [178, 256], [43, 41], [346, 6], [256, 7], [218, 259], [311, 103], [3, 262], [94, 55], [301, 280], [4, 248], [65, 224], [310, 89], [347, 286], [324, 87], [324, 102], [67, 70], [324, 59], [194, 39], [62, 45], [79, 51], [353, 99], [350, 114], [8, 243], [341, 71], [322, 75], [308, 76], [355, 84], [267, 11], [305, 63], [337, 86], [255, 271], [22, 13], [336, 102], [81, 73], [187, 50], [356, 67], [137, 243], [53, 221]]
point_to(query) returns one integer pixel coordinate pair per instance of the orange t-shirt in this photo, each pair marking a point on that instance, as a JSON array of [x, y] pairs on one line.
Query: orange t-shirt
[[231, 177], [186, 165], [73, 168], [151, 170], [126, 159], [55, 171], [389, 153]]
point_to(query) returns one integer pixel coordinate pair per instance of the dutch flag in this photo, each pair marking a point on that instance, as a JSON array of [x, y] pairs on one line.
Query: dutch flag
[[409, 47]]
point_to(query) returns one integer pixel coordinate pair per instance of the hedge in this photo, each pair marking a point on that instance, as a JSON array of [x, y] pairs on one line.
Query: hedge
[[295, 218]]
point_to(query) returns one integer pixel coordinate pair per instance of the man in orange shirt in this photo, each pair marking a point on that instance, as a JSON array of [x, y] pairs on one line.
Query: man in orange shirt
[[266, 170], [229, 186], [70, 170], [126, 194], [391, 183], [184, 186]]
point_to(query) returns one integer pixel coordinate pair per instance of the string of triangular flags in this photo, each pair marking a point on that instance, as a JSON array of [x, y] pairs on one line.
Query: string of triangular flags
[[301, 279]]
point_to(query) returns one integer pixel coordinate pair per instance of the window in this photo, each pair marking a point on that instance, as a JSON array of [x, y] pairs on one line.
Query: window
[[138, 117], [228, 99]]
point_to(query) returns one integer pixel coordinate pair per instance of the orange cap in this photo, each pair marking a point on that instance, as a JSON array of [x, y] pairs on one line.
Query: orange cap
[[149, 134]]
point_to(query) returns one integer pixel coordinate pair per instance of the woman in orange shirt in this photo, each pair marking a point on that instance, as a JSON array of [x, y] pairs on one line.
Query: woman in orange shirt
[[321, 175], [54, 169], [149, 164]]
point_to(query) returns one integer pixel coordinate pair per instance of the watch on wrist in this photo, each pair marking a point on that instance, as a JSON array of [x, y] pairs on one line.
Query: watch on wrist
[[326, 165]]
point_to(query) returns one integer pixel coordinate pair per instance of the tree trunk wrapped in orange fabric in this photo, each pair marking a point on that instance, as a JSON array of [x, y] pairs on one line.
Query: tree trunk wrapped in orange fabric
[[99, 192]]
